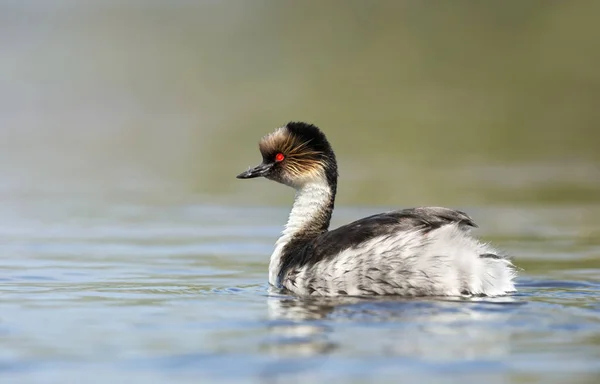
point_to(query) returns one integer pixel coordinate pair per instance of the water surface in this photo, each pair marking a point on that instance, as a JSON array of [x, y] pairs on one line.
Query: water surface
[[108, 291]]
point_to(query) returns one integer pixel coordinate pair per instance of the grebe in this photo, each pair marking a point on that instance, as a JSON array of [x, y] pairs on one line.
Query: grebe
[[426, 251]]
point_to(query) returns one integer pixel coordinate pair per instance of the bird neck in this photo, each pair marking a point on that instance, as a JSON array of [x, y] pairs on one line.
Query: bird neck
[[311, 212], [310, 217]]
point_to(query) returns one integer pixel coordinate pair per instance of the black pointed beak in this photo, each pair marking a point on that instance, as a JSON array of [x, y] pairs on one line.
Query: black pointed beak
[[258, 171]]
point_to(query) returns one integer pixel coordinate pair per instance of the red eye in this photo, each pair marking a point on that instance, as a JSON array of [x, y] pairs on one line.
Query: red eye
[[279, 157]]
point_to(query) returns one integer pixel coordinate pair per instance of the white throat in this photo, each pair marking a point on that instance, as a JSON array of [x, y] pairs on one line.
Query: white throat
[[311, 199]]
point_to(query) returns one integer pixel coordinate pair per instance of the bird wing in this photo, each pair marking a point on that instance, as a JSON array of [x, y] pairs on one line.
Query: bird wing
[[422, 218]]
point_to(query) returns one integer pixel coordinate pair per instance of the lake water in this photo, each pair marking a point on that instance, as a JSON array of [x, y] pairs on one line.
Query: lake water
[[130, 253], [101, 291]]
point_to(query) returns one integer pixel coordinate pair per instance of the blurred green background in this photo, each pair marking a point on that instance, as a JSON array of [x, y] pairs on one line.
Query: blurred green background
[[426, 103]]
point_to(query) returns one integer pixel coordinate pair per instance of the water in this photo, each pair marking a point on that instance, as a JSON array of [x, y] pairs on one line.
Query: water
[[129, 252], [114, 291]]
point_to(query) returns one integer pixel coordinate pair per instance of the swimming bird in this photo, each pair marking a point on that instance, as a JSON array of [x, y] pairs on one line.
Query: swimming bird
[[425, 251]]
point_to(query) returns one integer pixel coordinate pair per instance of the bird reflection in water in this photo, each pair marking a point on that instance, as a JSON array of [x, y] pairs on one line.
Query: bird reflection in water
[[429, 328]]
